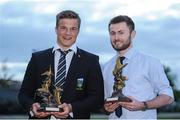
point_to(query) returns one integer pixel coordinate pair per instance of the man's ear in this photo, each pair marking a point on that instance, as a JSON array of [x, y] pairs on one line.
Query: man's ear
[[133, 34]]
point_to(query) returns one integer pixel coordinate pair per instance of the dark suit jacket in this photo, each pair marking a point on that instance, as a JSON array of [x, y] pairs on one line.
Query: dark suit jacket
[[84, 65]]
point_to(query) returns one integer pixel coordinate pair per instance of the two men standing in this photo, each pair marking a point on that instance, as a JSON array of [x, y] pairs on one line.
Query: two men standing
[[146, 85]]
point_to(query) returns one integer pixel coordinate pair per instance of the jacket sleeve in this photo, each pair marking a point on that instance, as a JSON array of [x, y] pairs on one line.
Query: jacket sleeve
[[27, 90]]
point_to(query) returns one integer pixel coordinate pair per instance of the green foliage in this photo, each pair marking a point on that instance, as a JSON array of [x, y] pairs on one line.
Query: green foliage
[[172, 79], [10, 107], [177, 95], [175, 107], [4, 71], [4, 83]]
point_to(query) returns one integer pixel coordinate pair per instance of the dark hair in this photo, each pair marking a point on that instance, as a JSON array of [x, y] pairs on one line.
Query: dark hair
[[67, 14], [123, 18]]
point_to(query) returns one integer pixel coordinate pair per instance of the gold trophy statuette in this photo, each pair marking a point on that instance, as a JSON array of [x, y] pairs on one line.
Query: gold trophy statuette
[[119, 80], [48, 102]]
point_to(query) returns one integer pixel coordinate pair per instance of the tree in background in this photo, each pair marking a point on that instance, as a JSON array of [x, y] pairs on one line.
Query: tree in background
[[173, 80], [8, 91], [174, 107], [5, 78]]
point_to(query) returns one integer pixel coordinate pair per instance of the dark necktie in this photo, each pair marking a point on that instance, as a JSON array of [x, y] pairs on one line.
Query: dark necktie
[[61, 70], [118, 110]]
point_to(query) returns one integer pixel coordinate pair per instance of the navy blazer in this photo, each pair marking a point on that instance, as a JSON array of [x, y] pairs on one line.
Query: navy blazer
[[84, 65]]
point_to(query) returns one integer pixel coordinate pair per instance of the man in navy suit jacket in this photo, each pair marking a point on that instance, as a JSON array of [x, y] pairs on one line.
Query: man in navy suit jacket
[[82, 70]]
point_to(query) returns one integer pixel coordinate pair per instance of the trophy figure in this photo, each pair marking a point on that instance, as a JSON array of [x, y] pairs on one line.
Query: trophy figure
[[48, 102], [119, 80]]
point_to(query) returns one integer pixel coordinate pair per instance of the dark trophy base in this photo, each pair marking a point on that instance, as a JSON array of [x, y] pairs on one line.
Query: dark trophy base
[[50, 109], [118, 97]]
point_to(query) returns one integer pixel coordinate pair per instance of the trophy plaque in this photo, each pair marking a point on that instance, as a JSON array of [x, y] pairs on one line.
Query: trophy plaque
[[49, 102], [119, 79]]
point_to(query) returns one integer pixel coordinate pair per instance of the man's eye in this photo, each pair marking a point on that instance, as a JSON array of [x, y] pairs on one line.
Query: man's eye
[[112, 33], [74, 28], [62, 28], [121, 33]]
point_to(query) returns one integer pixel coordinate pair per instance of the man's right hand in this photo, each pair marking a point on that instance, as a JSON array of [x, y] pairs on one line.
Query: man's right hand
[[35, 108], [111, 107]]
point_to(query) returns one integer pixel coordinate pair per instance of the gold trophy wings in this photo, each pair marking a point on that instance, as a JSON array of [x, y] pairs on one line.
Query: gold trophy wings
[[119, 83], [48, 101]]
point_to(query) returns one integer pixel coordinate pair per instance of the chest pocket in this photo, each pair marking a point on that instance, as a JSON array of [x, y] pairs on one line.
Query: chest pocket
[[138, 86]]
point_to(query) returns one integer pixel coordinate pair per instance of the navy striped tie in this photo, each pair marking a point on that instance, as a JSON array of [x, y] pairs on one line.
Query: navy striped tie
[[61, 70], [118, 110]]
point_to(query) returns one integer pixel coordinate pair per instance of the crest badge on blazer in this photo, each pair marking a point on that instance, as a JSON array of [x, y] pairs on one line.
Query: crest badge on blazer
[[79, 85]]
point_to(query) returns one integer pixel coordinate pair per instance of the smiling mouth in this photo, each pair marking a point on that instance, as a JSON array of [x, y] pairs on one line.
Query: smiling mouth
[[67, 38], [117, 42]]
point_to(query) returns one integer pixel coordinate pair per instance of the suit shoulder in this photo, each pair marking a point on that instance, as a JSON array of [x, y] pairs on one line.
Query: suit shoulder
[[88, 54], [42, 52]]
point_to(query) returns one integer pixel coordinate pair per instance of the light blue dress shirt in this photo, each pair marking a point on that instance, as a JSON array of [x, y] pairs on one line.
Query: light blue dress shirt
[[146, 80]]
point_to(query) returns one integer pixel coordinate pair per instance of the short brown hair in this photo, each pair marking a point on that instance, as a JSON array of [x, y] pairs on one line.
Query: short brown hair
[[67, 14], [123, 18]]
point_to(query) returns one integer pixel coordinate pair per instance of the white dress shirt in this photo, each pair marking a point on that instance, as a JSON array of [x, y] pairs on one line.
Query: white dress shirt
[[146, 80], [69, 56]]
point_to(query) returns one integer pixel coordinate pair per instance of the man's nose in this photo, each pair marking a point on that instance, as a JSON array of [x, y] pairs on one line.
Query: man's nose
[[68, 32], [116, 36]]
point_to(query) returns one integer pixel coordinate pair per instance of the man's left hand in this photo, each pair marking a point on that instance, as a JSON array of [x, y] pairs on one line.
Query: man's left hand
[[132, 106], [67, 108]]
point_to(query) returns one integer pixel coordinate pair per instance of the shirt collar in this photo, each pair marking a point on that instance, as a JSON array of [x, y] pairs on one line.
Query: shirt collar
[[73, 48], [130, 53]]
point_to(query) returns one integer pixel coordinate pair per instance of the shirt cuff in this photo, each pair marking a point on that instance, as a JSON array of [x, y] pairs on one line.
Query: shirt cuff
[[71, 114]]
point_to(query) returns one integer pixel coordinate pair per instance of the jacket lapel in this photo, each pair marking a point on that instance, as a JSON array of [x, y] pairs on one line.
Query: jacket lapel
[[71, 76], [75, 62], [50, 58]]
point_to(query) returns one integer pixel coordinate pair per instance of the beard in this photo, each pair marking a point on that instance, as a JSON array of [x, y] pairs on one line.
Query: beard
[[123, 47]]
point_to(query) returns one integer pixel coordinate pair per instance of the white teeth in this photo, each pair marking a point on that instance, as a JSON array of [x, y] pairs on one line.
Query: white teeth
[[67, 38]]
